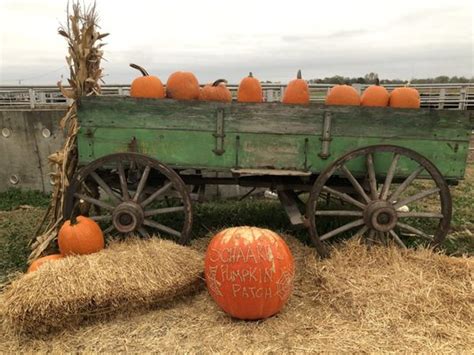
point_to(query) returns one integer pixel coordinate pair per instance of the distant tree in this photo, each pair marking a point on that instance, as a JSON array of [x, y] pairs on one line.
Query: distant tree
[[370, 78], [443, 79]]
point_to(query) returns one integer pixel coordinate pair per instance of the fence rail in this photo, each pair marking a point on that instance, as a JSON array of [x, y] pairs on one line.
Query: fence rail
[[438, 96]]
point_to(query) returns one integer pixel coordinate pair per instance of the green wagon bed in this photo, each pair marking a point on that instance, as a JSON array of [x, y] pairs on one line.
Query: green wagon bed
[[374, 171]]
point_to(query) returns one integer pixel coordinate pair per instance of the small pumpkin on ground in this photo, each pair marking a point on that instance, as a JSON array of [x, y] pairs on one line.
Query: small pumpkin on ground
[[249, 272], [343, 95], [80, 235], [375, 96], [249, 90], [405, 97], [182, 86], [35, 265], [297, 91], [147, 86], [217, 91]]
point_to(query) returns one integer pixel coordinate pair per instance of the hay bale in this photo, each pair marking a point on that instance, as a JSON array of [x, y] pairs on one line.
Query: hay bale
[[131, 274]]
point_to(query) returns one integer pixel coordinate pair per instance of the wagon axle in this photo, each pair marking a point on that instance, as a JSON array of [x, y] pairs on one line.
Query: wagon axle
[[128, 217], [380, 216]]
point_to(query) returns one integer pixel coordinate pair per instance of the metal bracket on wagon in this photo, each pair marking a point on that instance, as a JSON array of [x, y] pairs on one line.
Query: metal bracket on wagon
[[326, 136], [219, 135]]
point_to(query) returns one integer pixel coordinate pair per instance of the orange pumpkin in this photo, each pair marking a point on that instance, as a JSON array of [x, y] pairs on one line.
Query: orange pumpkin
[[405, 97], [297, 91], [216, 91], [147, 86], [35, 265], [375, 96], [80, 235], [343, 95], [182, 86], [249, 272], [250, 90]]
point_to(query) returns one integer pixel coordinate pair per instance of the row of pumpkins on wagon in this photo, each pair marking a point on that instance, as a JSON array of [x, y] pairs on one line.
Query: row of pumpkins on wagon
[[185, 86]]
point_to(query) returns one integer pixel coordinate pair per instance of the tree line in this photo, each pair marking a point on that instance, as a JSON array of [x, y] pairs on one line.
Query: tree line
[[370, 78]]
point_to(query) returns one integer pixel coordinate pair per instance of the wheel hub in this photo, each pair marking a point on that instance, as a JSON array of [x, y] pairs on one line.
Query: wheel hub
[[127, 217], [381, 216]]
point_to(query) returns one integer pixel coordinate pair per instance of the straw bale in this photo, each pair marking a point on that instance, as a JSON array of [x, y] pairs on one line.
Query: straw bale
[[130, 274], [359, 300]]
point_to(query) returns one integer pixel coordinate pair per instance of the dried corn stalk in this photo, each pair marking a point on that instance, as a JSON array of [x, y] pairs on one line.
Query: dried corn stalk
[[85, 75]]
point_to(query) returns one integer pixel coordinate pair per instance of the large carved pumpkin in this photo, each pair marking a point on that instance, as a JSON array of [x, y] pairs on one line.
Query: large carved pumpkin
[[249, 272], [405, 97], [216, 91], [147, 86], [182, 86], [343, 95], [35, 265], [297, 91], [80, 236], [375, 96], [250, 90]]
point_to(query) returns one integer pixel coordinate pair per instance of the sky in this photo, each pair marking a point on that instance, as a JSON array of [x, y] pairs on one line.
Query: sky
[[227, 39]]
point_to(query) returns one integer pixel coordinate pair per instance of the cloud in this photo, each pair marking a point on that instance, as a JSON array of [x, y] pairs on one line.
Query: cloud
[[343, 34], [396, 39]]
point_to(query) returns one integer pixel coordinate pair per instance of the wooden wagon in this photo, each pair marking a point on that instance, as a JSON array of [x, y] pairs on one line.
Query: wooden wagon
[[378, 173]]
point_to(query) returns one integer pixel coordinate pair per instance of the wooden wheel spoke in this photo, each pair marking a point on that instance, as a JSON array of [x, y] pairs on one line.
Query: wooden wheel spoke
[[382, 237], [142, 183], [416, 197], [338, 213], [371, 236], [163, 211], [371, 172], [397, 239], [94, 201], [143, 232], [344, 197], [109, 229], [405, 184], [420, 215], [105, 187], [343, 228], [414, 230], [389, 177], [101, 218], [355, 183], [361, 232], [123, 182], [161, 227], [157, 193]]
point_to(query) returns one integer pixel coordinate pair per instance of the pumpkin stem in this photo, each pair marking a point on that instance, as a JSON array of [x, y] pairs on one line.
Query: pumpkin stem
[[298, 75], [377, 81], [218, 81], [73, 219], [142, 70], [250, 75]]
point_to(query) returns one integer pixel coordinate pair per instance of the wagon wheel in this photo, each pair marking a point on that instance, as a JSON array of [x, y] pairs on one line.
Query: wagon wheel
[[138, 195], [399, 210]]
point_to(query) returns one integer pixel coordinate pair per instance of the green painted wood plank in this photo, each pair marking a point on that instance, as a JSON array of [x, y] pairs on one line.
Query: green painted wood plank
[[251, 150], [267, 135], [274, 118]]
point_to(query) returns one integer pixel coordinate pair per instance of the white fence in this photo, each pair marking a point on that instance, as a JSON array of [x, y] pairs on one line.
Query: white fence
[[438, 96]]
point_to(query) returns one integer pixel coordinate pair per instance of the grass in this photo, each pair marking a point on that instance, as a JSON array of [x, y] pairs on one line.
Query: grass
[[14, 198], [17, 225], [16, 230]]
